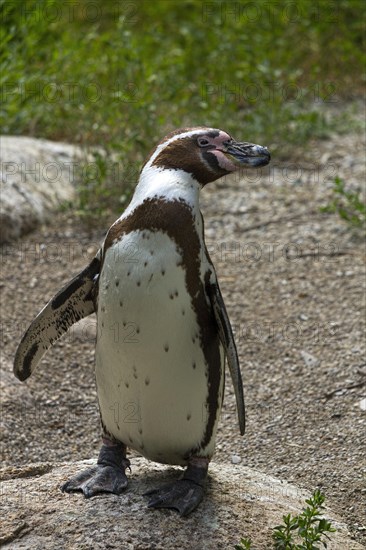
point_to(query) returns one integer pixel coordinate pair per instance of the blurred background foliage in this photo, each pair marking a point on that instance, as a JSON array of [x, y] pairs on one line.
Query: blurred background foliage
[[120, 74]]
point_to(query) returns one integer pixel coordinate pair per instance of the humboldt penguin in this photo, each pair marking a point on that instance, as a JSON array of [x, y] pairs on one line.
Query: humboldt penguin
[[163, 332]]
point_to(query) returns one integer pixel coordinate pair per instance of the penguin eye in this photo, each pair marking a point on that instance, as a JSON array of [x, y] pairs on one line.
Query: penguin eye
[[203, 142]]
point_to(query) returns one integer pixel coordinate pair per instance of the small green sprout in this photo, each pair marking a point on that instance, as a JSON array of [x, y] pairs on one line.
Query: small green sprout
[[348, 204], [305, 531]]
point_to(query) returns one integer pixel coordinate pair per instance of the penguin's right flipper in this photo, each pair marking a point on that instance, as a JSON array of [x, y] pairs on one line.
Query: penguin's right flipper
[[73, 302], [228, 342]]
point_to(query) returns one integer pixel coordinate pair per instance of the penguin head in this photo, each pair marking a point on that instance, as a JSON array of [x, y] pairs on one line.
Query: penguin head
[[205, 153]]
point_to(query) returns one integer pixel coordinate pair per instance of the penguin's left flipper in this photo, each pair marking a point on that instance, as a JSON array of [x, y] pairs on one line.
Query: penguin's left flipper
[[73, 302], [227, 340]]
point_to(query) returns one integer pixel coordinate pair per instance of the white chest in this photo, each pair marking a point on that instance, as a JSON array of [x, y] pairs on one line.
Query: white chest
[[151, 372]]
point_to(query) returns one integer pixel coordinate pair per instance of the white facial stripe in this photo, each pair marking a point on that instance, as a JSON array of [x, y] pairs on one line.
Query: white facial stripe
[[175, 138]]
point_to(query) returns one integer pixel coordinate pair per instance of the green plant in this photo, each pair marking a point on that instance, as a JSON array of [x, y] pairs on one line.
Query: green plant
[[245, 544], [348, 204], [308, 526], [119, 75], [302, 532]]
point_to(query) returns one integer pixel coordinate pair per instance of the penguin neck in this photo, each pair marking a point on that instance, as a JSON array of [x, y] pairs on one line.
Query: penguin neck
[[167, 184]]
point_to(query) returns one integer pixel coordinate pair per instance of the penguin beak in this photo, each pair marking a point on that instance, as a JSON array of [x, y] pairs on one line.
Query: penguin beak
[[243, 153]]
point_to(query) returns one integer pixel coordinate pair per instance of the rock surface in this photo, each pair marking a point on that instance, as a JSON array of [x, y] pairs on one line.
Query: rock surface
[[37, 176], [240, 502]]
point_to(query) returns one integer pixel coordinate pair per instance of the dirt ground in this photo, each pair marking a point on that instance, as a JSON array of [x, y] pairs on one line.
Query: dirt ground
[[293, 280]]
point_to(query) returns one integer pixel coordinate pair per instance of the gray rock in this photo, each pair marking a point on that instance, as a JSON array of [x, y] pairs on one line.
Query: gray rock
[[37, 176], [240, 502]]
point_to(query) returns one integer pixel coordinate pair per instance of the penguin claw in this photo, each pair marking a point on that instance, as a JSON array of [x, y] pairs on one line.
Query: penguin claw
[[96, 480], [183, 495]]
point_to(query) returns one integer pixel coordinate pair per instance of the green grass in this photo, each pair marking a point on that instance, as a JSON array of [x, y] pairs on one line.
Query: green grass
[[349, 205], [121, 74]]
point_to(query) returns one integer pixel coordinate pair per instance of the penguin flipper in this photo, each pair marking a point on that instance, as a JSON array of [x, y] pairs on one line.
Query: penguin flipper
[[227, 340], [72, 303]]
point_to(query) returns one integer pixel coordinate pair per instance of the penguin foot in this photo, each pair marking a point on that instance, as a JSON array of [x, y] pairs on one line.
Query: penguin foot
[[95, 480], [108, 476], [183, 495]]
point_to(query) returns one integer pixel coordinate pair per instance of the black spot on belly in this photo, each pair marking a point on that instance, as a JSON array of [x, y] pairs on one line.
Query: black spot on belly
[[183, 311], [138, 283], [127, 384], [147, 381], [140, 431], [189, 416], [194, 364], [166, 347], [145, 264], [120, 303], [117, 283], [163, 272], [171, 296], [176, 293]]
